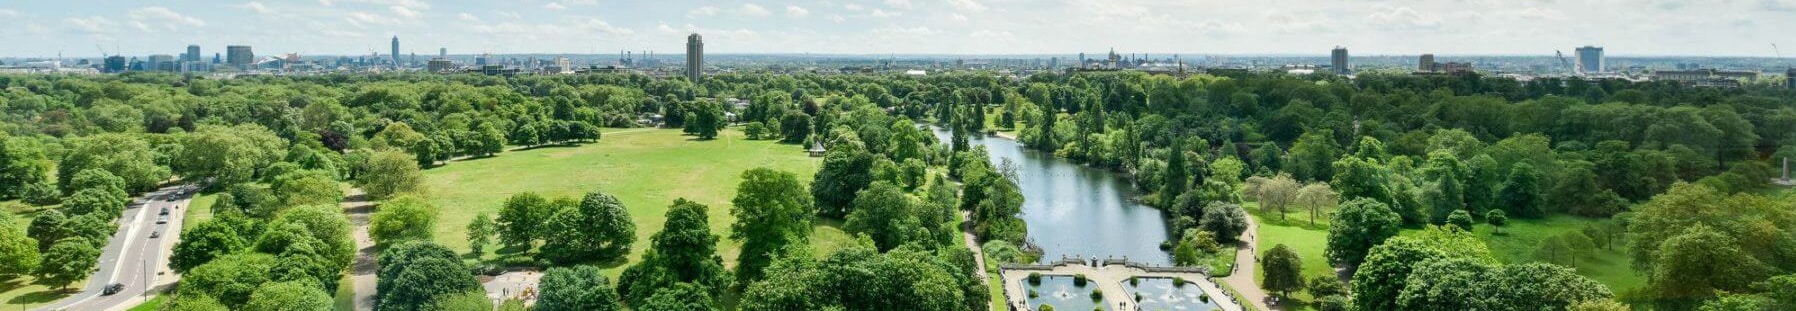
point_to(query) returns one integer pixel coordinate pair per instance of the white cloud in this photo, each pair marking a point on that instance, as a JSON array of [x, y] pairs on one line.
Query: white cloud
[[967, 5], [161, 18], [361, 19], [405, 12], [910, 31], [703, 11], [92, 25], [256, 7], [326, 2], [853, 7], [468, 17], [510, 15], [583, 2], [883, 13], [1402, 18], [898, 4], [9, 13], [795, 11], [837, 18], [957, 17], [554, 6], [752, 10]]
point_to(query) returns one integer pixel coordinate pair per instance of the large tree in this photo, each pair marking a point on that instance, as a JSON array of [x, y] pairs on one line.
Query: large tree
[[229, 154], [413, 274], [1378, 282], [295, 296], [124, 156], [405, 218], [684, 252], [1282, 270], [772, 211], [845, 172], [577, 288], [888, 215], [67, 261], [598, 229], [203, 242], [524, 218], [389, 172], [1357, 226]]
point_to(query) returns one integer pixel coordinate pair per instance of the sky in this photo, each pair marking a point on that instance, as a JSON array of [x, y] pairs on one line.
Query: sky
[[81, 28]]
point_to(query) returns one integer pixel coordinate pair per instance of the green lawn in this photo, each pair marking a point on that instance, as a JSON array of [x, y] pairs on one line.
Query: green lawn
[[21, 293], [151, 305], [200, 210], [645, 168], [1522, 236]]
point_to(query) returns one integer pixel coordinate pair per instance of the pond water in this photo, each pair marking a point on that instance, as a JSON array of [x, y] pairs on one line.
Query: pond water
[[1076, 211], [1060, 292], [1162, 294]]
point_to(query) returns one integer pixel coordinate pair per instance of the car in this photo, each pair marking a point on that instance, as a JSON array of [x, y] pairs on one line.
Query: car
[[113, 289], [164, 211], [155, 234], [162, 219]]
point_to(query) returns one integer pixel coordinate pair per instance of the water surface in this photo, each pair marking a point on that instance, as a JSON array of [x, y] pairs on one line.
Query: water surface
[[1076, 211]]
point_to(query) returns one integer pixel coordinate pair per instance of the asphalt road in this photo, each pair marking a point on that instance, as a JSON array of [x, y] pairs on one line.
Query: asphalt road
[[132, 251]]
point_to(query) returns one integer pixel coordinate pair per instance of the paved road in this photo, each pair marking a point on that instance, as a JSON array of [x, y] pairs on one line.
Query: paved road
[[1245, 268], [132, 251]]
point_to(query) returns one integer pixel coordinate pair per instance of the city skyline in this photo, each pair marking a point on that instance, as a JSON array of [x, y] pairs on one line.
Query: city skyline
[[963, 27]]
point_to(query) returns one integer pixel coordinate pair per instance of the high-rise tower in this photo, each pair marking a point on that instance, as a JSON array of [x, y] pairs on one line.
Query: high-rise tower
[[193, 54], [695, 58], [395, 51], [1590, 59], [1338, 60]]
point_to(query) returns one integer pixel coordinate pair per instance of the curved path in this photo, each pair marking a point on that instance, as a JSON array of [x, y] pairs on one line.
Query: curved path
[[1246, 267]]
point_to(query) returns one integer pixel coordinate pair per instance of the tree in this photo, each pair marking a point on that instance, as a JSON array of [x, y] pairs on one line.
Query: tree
[[67, 261], [888, 215], [203, 242], [1324, 286], [1227, 220], [196, 302], [1378, 283], [122, 155], [684, 252], [1521, 193], [230, 278], [480, 232], [524, 219], [307, 187], [772, 211], [297, 296], [1318, 198], [1174, 182], [1689, 266], [404, 218], [795, 127], [845, 172], [706, 120], [1312, 155], [469, 301], [598, 229], [22, 164], [1599, 305], [1461, 219], [414, 274], [680, 297], [18, 252], [228, 154], [1283, 271], [1496, 218], [1358, 226], [95, 202], [579, 288], [755, 130], [1446, 177], [1276, 195], [388, 173]]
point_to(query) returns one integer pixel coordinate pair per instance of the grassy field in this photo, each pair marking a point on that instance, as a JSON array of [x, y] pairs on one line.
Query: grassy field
[[645, 168], [20, 292]]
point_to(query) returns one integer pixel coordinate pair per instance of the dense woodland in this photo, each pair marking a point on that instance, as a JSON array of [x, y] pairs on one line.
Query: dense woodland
[[1679, 170]]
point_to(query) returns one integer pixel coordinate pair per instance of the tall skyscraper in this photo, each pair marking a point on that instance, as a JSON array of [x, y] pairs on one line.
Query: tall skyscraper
[[395, 51], [1338, 61], [1426, 64], [239, 56], [695, 58], [443, 52], [193, 54], [1590, 59]]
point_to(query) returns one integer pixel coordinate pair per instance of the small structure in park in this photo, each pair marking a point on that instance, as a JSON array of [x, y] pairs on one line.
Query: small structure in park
[[816, 149]]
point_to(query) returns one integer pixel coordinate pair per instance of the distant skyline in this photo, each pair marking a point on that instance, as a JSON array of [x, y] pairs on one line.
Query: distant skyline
[[963, 27]]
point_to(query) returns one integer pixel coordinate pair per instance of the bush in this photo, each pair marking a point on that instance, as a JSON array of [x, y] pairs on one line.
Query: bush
[[1033, 294], [1134, 281], [1205, 298], [1034, 278], [1046, 307], [1178, 281], [1097, 294], [1079, 280]]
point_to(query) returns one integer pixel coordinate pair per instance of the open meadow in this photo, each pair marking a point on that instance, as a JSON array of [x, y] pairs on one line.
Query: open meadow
[[645, 168]]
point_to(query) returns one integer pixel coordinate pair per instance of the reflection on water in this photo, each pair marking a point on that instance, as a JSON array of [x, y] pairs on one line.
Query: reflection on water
[[1077, 211]]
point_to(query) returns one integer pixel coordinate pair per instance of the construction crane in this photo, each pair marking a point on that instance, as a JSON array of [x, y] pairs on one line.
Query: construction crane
[[1566, 63]]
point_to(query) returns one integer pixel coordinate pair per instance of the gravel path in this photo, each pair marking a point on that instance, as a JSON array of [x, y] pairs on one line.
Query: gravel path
[[362, 271], [1246, 268]]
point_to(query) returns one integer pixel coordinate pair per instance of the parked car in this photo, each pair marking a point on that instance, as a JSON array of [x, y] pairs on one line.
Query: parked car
[[155, 234], [164, 211]]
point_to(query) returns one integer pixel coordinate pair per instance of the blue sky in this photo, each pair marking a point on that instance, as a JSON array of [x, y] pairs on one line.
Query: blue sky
[[1368, 27]]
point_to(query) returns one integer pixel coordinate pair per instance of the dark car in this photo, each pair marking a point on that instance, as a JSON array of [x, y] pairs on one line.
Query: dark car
[[164, 211], [155, 234], [113, 289]]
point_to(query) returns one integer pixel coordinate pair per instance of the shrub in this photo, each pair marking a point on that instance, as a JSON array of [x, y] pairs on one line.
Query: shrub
[[1046, 307], [1134, 281], [1178, 281], [1079, 280], [1033, 294], [1205, 298], [1097, 294], [1034, 278]]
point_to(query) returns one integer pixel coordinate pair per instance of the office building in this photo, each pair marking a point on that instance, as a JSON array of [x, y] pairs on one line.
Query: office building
[[193, 54], [439, 65], [1426, 64], [1590, 59], [1338, 61], [239, 56], [443, 52], [695, 58], [1790, 78], [114, 64], [161, 62], [395, 51]]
